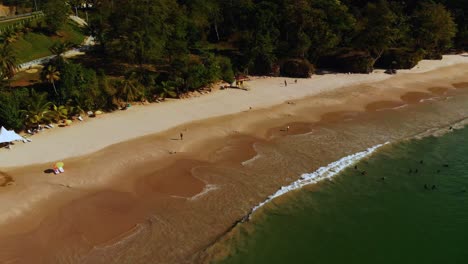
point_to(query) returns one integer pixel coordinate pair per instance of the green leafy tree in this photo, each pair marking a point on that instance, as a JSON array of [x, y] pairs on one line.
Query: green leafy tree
[[8, 35], [129, 88], [226, 72], [56, 14], [8, 65], [51, 75], [59, 48], [167, 89], [59, 113], [435, 28], [37, 110], [378, 29], [10, 115]]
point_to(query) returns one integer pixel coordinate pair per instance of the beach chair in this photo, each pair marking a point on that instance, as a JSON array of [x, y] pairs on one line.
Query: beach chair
[[30, 132], [80, 118], [56, 171], [51, 126], [61, 169]]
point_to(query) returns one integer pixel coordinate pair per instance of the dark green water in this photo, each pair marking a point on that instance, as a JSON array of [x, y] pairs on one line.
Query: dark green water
[[363, 219]]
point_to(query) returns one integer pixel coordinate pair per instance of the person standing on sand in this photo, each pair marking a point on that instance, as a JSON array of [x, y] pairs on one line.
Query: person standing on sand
[[285, 83], [295, 81], [181, 136]]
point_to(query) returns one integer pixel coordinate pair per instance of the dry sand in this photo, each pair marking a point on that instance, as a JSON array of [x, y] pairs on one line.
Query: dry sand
[[95, 134], [223, 135]]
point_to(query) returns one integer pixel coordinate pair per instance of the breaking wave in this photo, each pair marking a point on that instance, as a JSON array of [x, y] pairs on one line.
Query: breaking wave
[[322, 173]]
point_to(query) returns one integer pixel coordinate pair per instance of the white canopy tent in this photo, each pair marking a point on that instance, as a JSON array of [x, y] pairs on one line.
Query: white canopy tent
[[9, 136]]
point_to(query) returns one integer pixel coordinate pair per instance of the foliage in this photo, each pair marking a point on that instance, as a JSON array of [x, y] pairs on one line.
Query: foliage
[[378, 29], [77, 85], [35, 44], [434, 28], [167, 89], [50, 74], [348, 61], [7, 62], [297, 68], [37, 110], [226, 72], [400, 59], [129, 89], [10, 115], [56, 14]]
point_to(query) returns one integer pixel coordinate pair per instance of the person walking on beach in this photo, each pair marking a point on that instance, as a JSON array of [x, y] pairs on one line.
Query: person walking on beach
[[181, 136], [285, 83], [287, 128]]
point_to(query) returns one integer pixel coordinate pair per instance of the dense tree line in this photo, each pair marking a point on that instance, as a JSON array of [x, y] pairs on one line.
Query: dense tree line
[[259, 35], [168, 47]]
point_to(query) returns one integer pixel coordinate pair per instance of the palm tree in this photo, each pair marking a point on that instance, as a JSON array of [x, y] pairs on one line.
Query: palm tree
[[167, 89], [37, 110], [50, 74], [7, 62], [59, 48], [8, 36], [129, 88]]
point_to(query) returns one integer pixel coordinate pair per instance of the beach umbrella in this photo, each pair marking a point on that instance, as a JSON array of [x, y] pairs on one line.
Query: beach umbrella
[[8, 136], [59, 164]]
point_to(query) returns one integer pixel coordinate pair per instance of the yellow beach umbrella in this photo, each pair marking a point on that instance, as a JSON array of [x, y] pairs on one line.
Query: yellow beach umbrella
[[59, 164]]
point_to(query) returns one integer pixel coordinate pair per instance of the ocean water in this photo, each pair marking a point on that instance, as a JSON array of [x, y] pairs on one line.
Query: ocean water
[[389, 214]]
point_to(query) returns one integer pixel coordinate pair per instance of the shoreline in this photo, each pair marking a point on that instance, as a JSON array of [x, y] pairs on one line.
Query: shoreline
[[223, 142], [139, 121]]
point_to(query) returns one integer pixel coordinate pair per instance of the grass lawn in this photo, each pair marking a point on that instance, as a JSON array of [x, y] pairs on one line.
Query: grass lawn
[[35, 45]]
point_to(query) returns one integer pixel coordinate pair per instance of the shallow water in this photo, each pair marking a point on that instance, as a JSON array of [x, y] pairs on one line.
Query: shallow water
[[385, 216]]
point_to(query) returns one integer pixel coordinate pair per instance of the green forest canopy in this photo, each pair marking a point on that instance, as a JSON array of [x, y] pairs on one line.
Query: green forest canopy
[[161, 48]]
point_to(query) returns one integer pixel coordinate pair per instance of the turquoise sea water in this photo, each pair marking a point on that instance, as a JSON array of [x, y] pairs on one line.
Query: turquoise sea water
[[385, 216]]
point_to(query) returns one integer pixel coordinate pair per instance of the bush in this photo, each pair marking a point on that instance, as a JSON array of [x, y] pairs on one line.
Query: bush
[[261, 65], [297, 68], [400, 59], [433, 55], [10, 114], [348, 61], [226, 72]]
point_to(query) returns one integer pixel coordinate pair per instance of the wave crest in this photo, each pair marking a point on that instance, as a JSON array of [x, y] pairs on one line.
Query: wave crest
[[322, 173]]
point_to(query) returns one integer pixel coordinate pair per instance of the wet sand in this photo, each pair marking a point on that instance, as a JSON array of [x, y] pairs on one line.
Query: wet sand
[[180, 203]]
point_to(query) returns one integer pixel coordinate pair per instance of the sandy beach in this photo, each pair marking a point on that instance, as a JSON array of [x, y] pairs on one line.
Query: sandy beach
[[98, 133], [124, 166]]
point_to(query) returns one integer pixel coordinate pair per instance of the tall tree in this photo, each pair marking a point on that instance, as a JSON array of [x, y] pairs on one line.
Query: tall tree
[[56, 14], [50, 74], [37, 110], [128, 89], [8, 61], [434, 27], [378, 30]]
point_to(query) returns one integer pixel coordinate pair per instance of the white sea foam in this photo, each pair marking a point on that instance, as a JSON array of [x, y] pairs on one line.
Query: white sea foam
[[322, 173], [208, 188]]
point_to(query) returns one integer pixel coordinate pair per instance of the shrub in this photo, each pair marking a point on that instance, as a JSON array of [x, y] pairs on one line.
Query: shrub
[[348, 61], [10, 114], [400, 59], [297, 68], [261, 65], [226, 72], [433, 55]]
